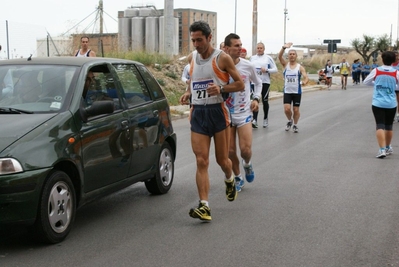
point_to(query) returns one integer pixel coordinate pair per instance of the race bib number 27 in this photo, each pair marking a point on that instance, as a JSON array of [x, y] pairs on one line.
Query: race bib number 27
[[199, 89]]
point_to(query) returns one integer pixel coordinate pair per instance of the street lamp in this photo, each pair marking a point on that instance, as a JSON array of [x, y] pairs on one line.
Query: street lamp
[[285, 19]]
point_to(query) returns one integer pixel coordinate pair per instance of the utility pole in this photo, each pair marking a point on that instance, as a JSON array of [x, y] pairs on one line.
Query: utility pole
[[254, 26], [101, 10], [168, 27], [235, 17], [285, 20]]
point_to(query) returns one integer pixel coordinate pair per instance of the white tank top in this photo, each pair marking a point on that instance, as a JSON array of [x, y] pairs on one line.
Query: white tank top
[[203, 72], [292, 80], [84, 55]]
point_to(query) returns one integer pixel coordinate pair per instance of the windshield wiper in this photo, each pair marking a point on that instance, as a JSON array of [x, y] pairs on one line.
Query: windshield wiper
[[14, 111]]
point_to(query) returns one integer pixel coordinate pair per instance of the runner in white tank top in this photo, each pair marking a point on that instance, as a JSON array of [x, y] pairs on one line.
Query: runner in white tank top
[[293, 73], [210, 71]]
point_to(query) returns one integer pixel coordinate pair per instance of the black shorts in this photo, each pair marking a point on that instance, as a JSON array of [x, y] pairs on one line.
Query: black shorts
[[209, 119], [295, 99], [384, 117]]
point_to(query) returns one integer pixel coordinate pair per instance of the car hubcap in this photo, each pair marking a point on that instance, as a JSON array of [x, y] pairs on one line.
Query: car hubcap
[[59, 207], [166, 167]]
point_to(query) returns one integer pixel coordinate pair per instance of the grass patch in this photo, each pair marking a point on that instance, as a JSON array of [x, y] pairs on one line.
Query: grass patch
[[172, 75], [142, 57], [173, 95]]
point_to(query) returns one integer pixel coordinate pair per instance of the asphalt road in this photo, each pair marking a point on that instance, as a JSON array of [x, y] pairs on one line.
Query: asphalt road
[[320, 198]]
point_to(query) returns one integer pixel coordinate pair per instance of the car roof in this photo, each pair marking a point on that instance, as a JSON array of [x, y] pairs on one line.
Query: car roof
[[72, 61]]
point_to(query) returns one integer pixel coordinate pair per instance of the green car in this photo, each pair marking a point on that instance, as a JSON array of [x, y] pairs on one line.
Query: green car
[[76, 129]]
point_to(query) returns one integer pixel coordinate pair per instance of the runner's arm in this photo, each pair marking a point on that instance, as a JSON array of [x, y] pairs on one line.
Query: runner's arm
[[305, 79]]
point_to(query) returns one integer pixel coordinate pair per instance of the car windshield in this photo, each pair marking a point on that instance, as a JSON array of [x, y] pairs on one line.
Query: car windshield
[[35, 88]]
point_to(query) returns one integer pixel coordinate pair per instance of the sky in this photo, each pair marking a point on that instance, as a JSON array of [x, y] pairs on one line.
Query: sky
[[307, 22]]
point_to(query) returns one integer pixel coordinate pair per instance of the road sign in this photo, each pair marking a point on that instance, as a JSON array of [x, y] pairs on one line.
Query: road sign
[[332, 48], [332, 41], [332, 45]]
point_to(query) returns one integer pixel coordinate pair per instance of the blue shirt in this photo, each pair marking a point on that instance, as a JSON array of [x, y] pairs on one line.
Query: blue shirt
[[385, 79]]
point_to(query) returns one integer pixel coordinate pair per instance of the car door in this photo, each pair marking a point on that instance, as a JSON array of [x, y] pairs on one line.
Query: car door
[[105, 139], [143, 119]]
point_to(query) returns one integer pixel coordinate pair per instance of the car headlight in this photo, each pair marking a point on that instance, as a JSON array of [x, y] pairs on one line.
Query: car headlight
[[9, 165]]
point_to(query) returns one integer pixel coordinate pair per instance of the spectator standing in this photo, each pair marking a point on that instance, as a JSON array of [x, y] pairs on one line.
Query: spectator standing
[[212, 73], [374, 65], [384, 104], [293, 73], [84, 50], [356, 69], [264, 65], [366, 68]]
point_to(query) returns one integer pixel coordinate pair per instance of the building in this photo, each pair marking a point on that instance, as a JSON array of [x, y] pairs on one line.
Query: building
[[186, 18], [141, 28]]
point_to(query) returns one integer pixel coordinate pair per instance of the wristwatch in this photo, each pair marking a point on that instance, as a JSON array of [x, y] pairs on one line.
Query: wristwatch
[[221, 88]]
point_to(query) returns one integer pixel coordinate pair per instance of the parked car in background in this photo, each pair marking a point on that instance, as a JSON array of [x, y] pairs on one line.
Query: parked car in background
[[76, 129]]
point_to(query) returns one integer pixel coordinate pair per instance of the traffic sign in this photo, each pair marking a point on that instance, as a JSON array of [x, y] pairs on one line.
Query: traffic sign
[[332, 41]]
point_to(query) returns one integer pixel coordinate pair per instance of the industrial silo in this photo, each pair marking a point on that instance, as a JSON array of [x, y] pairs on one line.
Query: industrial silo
[[131, 12], [124, 33], [146, 12], [138, 33], [152, 34]]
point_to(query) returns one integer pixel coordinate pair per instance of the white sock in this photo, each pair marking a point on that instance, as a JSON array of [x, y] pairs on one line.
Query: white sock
[[231, 178], [206, 203]]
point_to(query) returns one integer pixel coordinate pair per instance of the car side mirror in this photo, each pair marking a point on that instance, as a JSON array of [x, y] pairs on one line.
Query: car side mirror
[[97, 108]]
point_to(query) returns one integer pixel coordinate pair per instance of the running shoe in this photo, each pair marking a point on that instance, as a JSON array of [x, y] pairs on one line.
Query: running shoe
[[381, 154], [295, 129], [288, 126], [239, 183], [249, 172], [254, 124], [231, 192], [388, 150], [203, 212], [265, 123]]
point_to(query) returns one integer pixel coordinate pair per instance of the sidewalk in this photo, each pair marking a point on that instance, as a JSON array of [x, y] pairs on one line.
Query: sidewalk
[[182, 111]]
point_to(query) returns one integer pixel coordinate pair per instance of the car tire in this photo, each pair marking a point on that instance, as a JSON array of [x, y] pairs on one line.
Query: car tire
[[57, 208], [163, 179]]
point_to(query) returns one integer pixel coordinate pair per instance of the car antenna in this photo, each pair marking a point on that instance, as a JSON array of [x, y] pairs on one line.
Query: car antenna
[[30, 57]]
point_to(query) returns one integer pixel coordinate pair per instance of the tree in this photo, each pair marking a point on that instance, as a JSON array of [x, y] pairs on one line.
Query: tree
[[370, 45]]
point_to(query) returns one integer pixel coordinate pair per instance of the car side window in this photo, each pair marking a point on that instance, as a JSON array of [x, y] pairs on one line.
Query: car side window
[[102, 87], [134, 89], [151, 83]]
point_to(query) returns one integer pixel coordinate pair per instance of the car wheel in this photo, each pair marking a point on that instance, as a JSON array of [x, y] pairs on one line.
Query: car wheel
[[163, 179], [57, 209]]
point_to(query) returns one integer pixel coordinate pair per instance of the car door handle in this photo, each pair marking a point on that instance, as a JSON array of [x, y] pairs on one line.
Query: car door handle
[[124, 125], [155, 113]]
